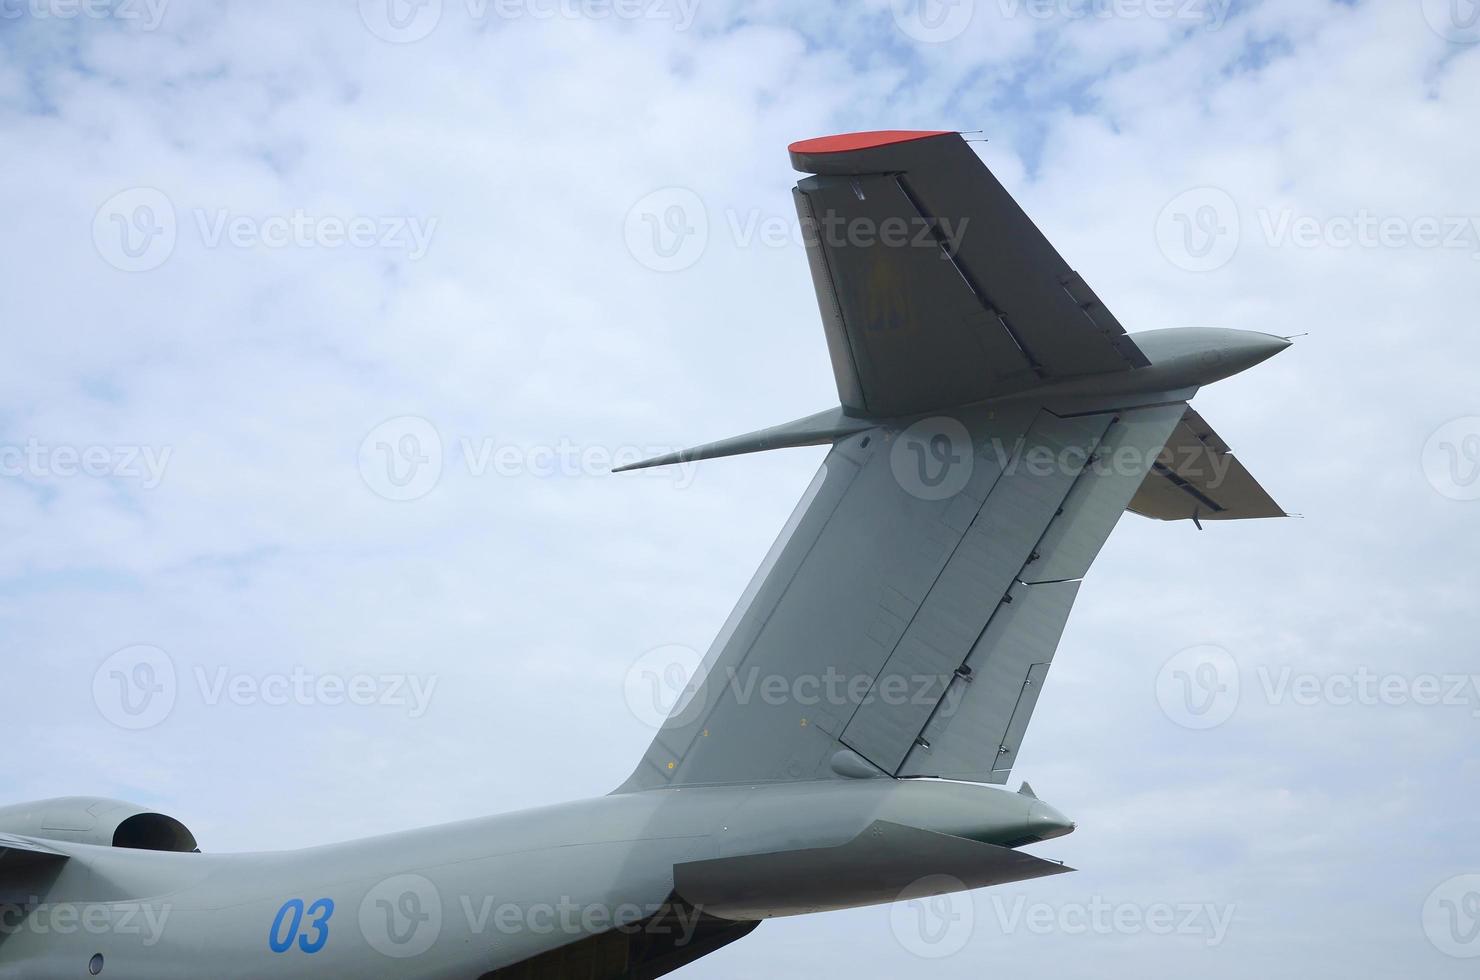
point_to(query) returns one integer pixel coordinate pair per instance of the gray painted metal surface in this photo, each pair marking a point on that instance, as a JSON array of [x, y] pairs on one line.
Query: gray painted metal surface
[[875, 681], [1198, 477]]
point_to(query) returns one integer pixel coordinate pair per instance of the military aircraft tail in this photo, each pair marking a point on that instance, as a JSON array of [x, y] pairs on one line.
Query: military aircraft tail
[[995, 422]]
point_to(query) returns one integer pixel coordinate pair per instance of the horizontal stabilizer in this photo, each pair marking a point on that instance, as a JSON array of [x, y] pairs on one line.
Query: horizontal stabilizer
[[814, 430], [885, 863], [1197, 477]]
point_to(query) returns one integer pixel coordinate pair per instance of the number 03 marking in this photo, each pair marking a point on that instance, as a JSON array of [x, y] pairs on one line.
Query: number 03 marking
[[290, 925]]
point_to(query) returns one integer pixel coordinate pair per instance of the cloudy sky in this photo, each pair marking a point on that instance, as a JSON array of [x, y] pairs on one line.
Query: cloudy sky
[[258, 258]]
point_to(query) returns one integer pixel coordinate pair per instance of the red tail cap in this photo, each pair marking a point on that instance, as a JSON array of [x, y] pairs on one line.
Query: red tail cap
[[846, 142]]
